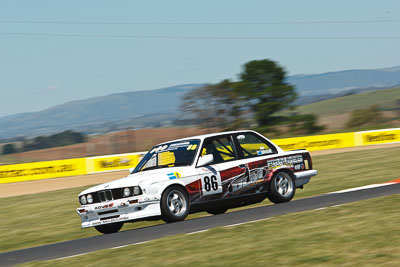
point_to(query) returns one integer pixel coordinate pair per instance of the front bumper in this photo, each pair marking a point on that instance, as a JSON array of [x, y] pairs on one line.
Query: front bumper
[[119, 211]]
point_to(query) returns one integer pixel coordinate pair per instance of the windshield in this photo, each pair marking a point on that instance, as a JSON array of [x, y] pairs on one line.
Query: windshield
[[172, 154]]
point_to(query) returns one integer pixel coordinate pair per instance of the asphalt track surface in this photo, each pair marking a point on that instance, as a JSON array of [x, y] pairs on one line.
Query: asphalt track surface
[[134, 236]]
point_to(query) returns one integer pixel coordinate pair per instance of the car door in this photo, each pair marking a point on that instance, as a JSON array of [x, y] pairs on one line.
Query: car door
[[216, 178], [253, 151]]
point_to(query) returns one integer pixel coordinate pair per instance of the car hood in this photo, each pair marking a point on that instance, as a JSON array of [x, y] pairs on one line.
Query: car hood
[[141, 178]]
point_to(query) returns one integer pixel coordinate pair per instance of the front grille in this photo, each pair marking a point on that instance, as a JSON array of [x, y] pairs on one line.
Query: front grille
[[105, 195], [108, 195]]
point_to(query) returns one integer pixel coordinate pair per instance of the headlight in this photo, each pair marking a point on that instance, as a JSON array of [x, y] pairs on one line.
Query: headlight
[[89, 199], [136, 190], [127, 192], [83, 200]]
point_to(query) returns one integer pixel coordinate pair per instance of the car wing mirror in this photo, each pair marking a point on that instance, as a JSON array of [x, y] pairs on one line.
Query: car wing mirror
[[131, 170], [205, 160]]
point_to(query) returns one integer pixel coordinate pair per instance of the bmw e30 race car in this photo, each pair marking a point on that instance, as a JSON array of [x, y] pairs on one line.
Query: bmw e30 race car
[[210, 173]]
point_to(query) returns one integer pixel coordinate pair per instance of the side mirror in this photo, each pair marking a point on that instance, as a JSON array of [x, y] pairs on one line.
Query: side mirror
[[131, 170], [205, 160]]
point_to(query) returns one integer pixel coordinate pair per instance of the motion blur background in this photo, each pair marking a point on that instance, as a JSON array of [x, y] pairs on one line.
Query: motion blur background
[[90, 72], [89, 78]]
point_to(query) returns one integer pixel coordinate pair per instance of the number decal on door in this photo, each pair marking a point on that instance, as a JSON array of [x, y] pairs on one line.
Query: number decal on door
[[211, 184]]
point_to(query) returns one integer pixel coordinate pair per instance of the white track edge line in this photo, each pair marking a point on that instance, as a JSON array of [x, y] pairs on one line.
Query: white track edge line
[[76, 255], [81, 254], [200, 231], [138, 243], [361, 188], [236, 224]]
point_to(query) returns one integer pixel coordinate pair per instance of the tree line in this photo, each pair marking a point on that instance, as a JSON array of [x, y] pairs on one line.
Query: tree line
[[41, 142]]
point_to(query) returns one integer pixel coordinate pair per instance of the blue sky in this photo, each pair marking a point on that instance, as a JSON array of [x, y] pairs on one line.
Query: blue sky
[[56, 51]]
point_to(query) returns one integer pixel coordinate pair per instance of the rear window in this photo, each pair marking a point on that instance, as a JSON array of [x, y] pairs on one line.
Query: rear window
[[252, 145]]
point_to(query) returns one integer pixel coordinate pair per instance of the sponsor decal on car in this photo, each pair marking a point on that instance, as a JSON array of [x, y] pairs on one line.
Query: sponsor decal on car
[[104, 206], [247, 180], [173, 175], [286, 161], [299, 167], [113, 220]]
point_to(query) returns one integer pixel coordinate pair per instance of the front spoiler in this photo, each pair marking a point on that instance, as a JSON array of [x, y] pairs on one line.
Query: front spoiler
[[117, 211]]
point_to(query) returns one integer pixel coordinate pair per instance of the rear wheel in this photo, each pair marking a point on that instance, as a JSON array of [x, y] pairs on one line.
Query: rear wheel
[[282, 187], [174, 204], [109, 228], [216, 211]]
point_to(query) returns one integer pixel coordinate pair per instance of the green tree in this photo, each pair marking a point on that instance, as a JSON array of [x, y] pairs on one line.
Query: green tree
[[259, 94], [9, 149], [265, 90], [360, 117]]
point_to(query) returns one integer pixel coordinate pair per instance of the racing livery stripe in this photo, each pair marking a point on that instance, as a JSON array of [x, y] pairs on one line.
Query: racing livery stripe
[[232, 172], [193, 187]]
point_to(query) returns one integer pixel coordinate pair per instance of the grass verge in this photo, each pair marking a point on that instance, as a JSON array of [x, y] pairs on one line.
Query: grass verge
[[362, 234], [44, 218]]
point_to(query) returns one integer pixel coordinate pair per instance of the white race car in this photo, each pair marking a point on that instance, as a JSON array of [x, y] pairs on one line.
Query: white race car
[[210, 173]]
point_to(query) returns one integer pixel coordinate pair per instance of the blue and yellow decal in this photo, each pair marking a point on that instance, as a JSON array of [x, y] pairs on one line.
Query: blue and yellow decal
[[174, 175]]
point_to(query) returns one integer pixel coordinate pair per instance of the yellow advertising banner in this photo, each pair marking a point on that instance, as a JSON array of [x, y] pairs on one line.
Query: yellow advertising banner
[[80, 166], [317, 142], [113, 162], [42, 170], [377, 137]]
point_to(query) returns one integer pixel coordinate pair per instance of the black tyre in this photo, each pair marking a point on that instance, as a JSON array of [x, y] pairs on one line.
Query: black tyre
[[282, 187], [216, 211], [175, 204], [109, 228]]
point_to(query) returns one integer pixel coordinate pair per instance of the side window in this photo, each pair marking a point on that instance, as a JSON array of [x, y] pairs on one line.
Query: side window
[[252, 145], [221, 149]]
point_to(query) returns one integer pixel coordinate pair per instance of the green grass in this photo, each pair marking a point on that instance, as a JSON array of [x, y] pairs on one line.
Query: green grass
[[364, 233], [44, 218], [384, 98], [352, 169]]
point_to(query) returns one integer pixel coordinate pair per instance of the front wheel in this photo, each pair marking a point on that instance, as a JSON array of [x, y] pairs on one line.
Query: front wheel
[[282, 188], [109, 228], [174, 204]]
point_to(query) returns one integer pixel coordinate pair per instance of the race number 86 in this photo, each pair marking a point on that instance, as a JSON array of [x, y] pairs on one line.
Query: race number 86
[[210, 183]]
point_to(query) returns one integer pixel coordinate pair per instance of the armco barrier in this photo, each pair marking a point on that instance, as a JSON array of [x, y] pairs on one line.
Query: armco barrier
[[42, 170], [113, 162], [317, 142], [72, 167]]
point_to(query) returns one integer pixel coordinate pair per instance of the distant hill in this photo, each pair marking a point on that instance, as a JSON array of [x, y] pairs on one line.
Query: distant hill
[[340, 81], [384, 98], [154, 108], [149, 107]]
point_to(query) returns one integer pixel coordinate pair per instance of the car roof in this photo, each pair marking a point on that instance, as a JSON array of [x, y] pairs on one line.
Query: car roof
[[204, 136]]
